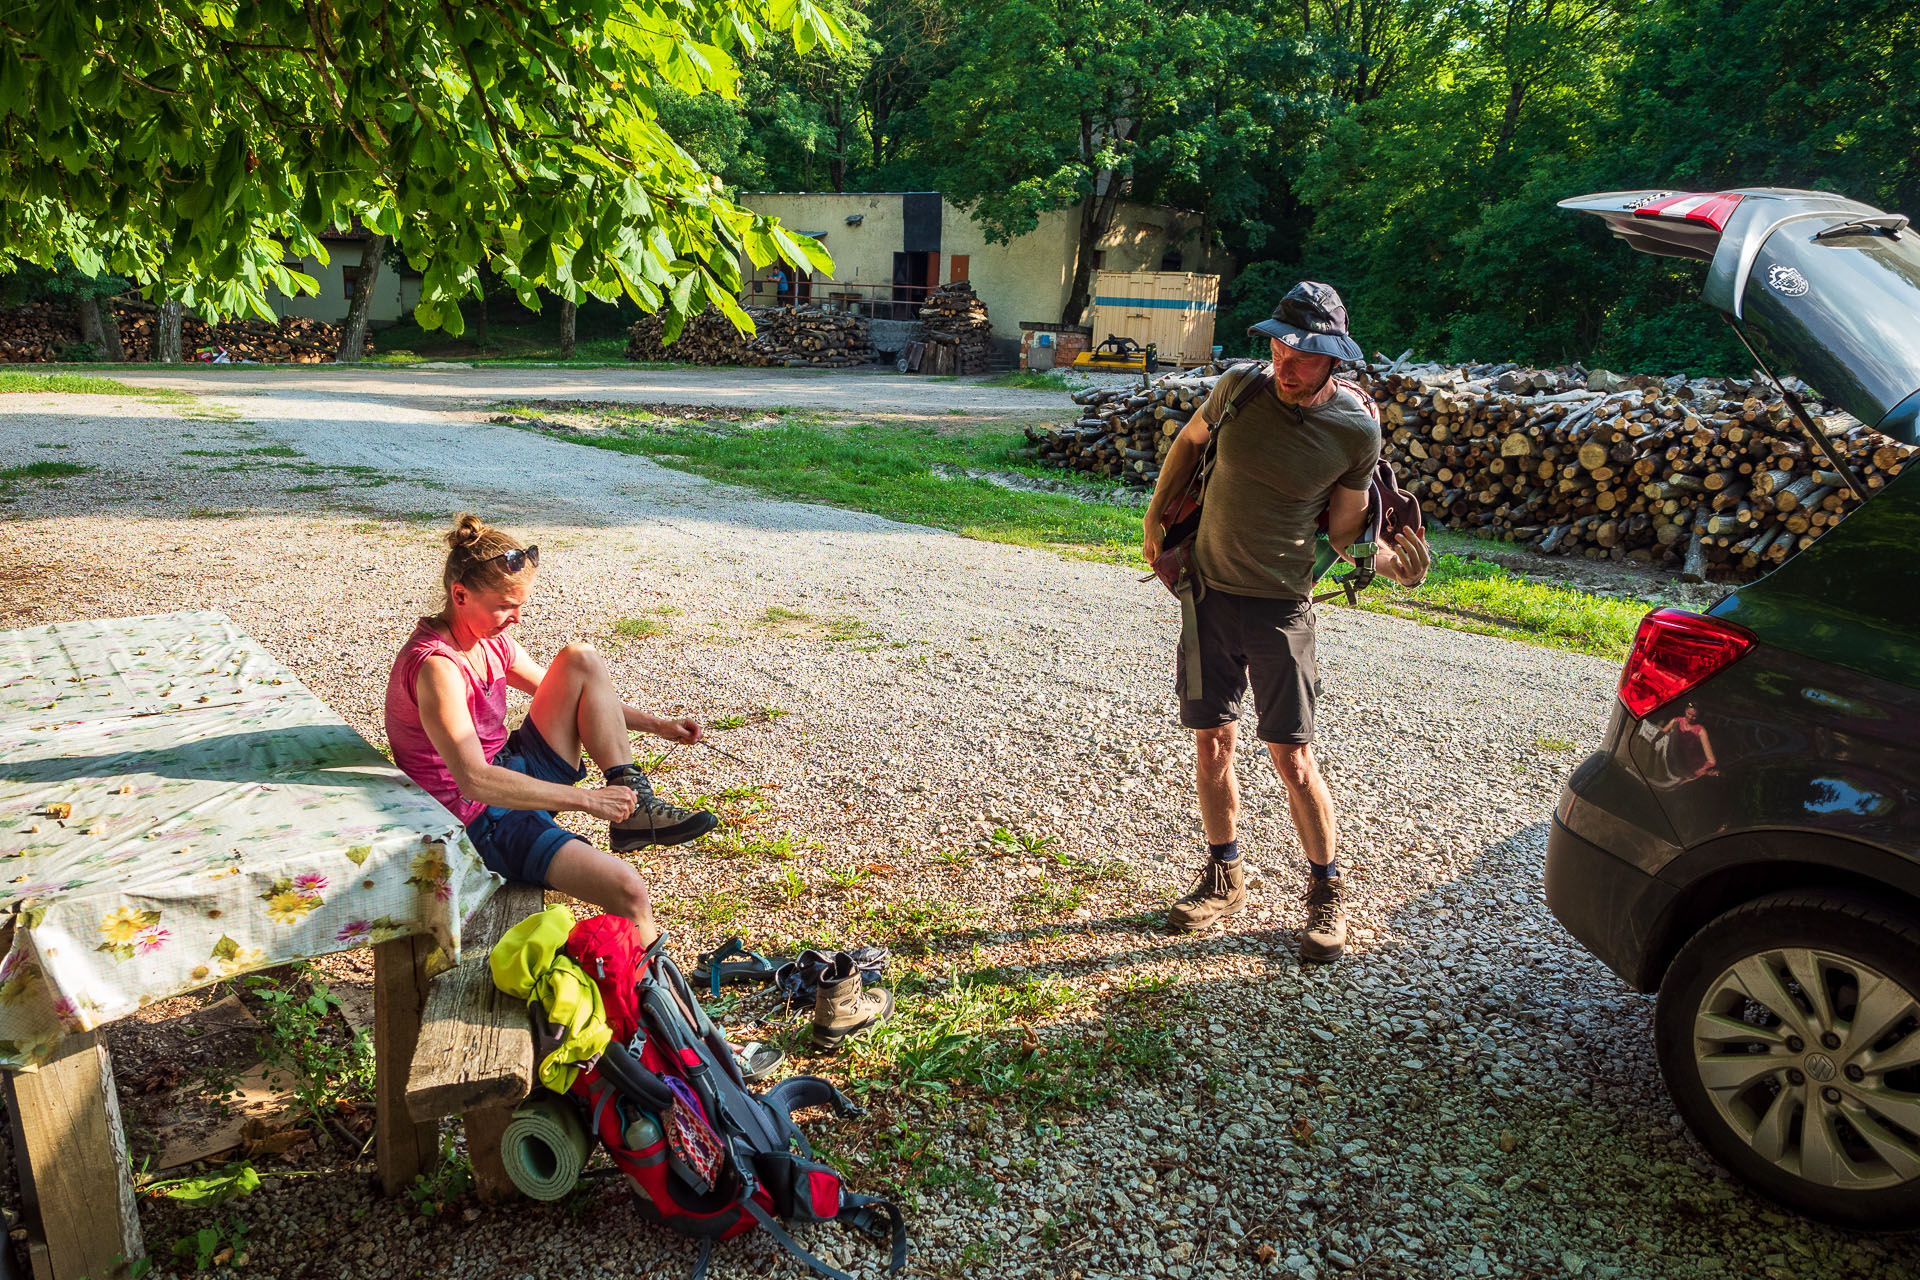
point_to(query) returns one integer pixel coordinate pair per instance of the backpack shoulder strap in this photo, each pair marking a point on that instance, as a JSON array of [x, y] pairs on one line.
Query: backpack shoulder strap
[[1361, 394], [1250, 380]]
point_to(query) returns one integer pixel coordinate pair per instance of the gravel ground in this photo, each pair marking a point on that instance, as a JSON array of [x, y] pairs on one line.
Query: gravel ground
[[1467, 1094]]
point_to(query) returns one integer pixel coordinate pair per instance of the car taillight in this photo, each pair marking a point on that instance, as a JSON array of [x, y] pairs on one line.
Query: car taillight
[[1674, 651]]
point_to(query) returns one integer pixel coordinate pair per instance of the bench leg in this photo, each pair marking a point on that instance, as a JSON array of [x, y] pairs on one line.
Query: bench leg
[[484, 1131], [72, 1157], [402, 1148]]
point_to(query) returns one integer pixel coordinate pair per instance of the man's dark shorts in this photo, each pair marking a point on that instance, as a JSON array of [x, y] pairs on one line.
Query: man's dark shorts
[[520, 843], [1267, 641]]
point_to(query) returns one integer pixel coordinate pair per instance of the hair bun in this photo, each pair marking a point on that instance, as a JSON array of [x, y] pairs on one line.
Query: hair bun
[[468, 529]]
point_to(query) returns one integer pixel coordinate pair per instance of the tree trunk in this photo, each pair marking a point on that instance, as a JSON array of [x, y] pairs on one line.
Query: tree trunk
[[166, 333], [353, 334], [1096, 219], [569, 312], [112, 349], [91, 331]]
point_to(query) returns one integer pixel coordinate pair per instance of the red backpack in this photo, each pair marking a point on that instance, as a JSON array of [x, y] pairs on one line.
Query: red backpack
[[706, 1155]]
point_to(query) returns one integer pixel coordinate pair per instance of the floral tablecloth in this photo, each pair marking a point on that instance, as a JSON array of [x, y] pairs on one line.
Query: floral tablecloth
[[176, 808]]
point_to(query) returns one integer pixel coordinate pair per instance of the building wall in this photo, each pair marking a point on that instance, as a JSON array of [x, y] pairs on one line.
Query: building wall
[[394, 297], [1027, 279]]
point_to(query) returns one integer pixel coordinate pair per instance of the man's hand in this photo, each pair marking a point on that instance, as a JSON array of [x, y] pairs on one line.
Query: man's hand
[[1407, 561], [610, 803], [684, 731], [1150, 541]]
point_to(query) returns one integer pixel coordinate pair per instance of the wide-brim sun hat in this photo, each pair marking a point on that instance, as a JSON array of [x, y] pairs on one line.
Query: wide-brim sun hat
[[1313, 319]]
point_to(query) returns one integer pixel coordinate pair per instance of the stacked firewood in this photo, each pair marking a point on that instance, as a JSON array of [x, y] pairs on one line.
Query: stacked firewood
[[798, 337], [1125, 432], [44, 331], [959, 333], [1695, 474], [1706, 476]]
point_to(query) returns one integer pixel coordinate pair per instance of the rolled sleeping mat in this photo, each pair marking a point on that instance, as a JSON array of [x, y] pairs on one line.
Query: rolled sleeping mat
[[544, 1147]]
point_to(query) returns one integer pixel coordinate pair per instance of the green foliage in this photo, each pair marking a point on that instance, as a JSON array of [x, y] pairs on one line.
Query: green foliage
[[196, 145], [205, 1190], [328, 1064], [214, 1246]]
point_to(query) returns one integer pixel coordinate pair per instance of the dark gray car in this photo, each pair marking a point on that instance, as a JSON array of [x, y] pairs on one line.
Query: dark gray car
[[1746, 841]]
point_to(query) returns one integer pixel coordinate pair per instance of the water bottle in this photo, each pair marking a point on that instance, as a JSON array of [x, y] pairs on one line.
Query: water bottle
[[642, 1131]]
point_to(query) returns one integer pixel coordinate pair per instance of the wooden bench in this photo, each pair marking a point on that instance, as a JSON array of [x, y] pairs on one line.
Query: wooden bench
[[468, 1048]]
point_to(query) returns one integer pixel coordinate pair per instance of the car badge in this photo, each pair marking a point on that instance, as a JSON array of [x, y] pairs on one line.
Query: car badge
[[1787, 280]]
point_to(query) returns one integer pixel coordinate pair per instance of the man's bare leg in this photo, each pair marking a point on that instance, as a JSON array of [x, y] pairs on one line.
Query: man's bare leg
[[1216, 782], [584, 872], [1311, 804], [1222, 889]]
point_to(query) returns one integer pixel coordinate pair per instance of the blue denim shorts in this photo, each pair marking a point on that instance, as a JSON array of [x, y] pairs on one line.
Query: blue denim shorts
[[520, 843]]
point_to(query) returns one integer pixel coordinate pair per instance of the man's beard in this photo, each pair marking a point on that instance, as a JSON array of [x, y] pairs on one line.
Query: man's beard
[[1298, 398]]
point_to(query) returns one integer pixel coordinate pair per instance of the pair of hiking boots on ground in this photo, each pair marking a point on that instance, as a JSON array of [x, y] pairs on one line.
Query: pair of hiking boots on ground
[[1222, 891]]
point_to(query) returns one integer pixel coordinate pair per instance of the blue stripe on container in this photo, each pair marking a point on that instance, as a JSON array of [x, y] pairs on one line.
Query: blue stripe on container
[[1170, 304]]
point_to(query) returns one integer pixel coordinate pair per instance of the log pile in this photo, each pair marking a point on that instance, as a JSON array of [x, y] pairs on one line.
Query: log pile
[[1705, 475], [959, 333], [45, 332], [1125, 432], [796, 337], [1709, 477]]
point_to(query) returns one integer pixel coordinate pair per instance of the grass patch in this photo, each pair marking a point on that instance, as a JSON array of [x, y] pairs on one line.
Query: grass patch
[[639, 628], [916, 474], [1029, 380], [889, 470], [1476, 595], [81, 384], [42, 471], [976, 1033]]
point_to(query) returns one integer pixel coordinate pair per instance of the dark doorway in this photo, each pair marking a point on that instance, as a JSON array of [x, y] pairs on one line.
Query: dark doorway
[[913, 275]]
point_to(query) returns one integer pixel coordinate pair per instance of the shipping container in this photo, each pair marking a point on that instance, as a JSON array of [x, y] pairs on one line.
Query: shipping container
[[1173, 310]]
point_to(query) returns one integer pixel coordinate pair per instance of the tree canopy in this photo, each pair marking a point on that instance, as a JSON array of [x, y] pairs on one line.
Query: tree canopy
[[201, 144]]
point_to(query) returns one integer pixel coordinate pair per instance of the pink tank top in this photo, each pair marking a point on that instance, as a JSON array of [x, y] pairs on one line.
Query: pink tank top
[[413, 751]]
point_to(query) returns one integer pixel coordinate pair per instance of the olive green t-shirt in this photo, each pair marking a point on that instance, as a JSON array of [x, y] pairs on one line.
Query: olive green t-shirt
[[1275, 467]]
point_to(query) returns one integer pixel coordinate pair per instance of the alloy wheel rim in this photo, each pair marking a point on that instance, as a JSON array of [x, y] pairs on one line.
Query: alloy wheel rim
[[1813, 1058]]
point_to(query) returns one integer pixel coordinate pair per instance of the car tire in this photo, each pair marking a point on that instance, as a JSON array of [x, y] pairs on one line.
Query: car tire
[[1826, 1118]]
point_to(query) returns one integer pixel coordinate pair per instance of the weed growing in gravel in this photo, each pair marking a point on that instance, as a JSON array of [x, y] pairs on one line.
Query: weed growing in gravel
[[638, 628], [652, 762], [845, 880], [791, 884], [301, 1037], [780, 613], [1051, 898], [953, 857], [1554, 744], [730, 843], [729, 722], [10, 476], [213, 1246], [916, 926], [714, 908], [451, 1179]]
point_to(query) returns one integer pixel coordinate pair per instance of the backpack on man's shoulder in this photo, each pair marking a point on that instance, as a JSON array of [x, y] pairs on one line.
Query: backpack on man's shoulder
[[705, 1155], [1391, 510]]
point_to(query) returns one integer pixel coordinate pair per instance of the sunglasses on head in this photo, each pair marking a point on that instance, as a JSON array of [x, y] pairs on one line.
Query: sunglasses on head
[[517, 559]]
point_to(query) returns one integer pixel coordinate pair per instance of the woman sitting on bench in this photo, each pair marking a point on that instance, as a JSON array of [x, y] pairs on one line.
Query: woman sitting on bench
[[446, 721]]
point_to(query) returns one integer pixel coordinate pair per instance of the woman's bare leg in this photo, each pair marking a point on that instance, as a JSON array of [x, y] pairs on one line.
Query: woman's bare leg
[[607, 882], [576, 708]]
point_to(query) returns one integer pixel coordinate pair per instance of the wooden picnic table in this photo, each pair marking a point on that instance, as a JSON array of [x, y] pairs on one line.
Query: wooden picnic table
[[177, 809]]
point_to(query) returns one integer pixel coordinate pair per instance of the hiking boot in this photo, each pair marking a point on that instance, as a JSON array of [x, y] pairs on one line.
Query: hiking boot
[[845, 1007], [1326, 933], [1221, 891], [653, 821]]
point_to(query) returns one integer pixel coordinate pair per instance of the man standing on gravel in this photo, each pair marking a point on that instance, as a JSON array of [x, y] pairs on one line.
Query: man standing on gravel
[[1293, 450]]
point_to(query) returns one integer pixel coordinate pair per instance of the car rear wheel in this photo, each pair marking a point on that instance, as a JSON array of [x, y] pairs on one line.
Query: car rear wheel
[[1789, 1035]]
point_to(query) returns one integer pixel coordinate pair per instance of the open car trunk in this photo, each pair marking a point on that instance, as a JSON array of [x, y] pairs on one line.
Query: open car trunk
[[1827, 287]]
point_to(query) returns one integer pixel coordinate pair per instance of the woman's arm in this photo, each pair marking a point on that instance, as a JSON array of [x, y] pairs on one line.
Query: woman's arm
[[442, 698], [525, 675]]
